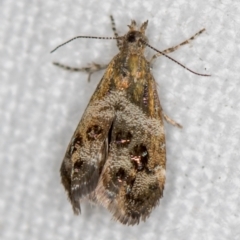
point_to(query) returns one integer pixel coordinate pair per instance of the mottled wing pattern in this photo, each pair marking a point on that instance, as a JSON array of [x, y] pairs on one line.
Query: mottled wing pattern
[[117, 154], [86, 153], [133, 176], [129, 178]]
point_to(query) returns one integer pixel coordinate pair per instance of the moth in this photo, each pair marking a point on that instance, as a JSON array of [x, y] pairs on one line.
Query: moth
[[117, 155]]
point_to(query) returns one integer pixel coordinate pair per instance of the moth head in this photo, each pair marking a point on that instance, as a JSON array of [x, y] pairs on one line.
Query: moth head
[[135, 37]]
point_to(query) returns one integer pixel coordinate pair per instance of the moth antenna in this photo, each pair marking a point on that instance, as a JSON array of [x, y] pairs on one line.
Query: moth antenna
[[70, 40], [200, 74]]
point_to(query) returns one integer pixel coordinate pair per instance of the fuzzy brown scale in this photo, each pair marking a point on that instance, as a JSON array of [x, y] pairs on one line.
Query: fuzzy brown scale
[[117, 155]]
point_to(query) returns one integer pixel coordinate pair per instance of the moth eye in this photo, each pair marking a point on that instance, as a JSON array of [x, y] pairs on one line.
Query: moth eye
[[121, 175], [94, 132], [76, 143], [123, 138], [139, 157], [131, 37]]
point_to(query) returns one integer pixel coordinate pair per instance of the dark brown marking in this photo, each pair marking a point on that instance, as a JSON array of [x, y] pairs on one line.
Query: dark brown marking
[[76, 143], [121, 175], [139, 157], [123, 138]]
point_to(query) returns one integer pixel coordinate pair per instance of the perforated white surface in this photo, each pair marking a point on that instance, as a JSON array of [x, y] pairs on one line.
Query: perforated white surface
[[40, 106]]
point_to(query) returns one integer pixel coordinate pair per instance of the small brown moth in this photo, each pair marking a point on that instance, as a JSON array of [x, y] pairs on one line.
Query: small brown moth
[[117, 155]]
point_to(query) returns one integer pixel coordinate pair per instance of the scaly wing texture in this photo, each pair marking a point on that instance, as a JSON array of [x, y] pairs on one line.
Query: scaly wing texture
[[117, 154], [86, 152], [132, 180]]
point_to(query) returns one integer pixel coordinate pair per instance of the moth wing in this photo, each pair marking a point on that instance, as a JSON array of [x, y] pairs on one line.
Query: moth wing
[[117, 155], [86, 153], [133, 177]]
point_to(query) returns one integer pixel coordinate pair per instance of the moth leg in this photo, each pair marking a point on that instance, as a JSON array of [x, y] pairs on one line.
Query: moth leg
[[171, 121], [172, 49], [119, 45], [94, 67]]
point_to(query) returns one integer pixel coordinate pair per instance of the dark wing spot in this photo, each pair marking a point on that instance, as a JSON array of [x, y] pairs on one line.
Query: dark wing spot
[[76, 144], [123, 138], [121, 175], [139, 157], [77, 166]]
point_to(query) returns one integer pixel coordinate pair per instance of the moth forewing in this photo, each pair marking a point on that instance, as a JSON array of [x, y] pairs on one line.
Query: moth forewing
[[86, 153], [133, 177]]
